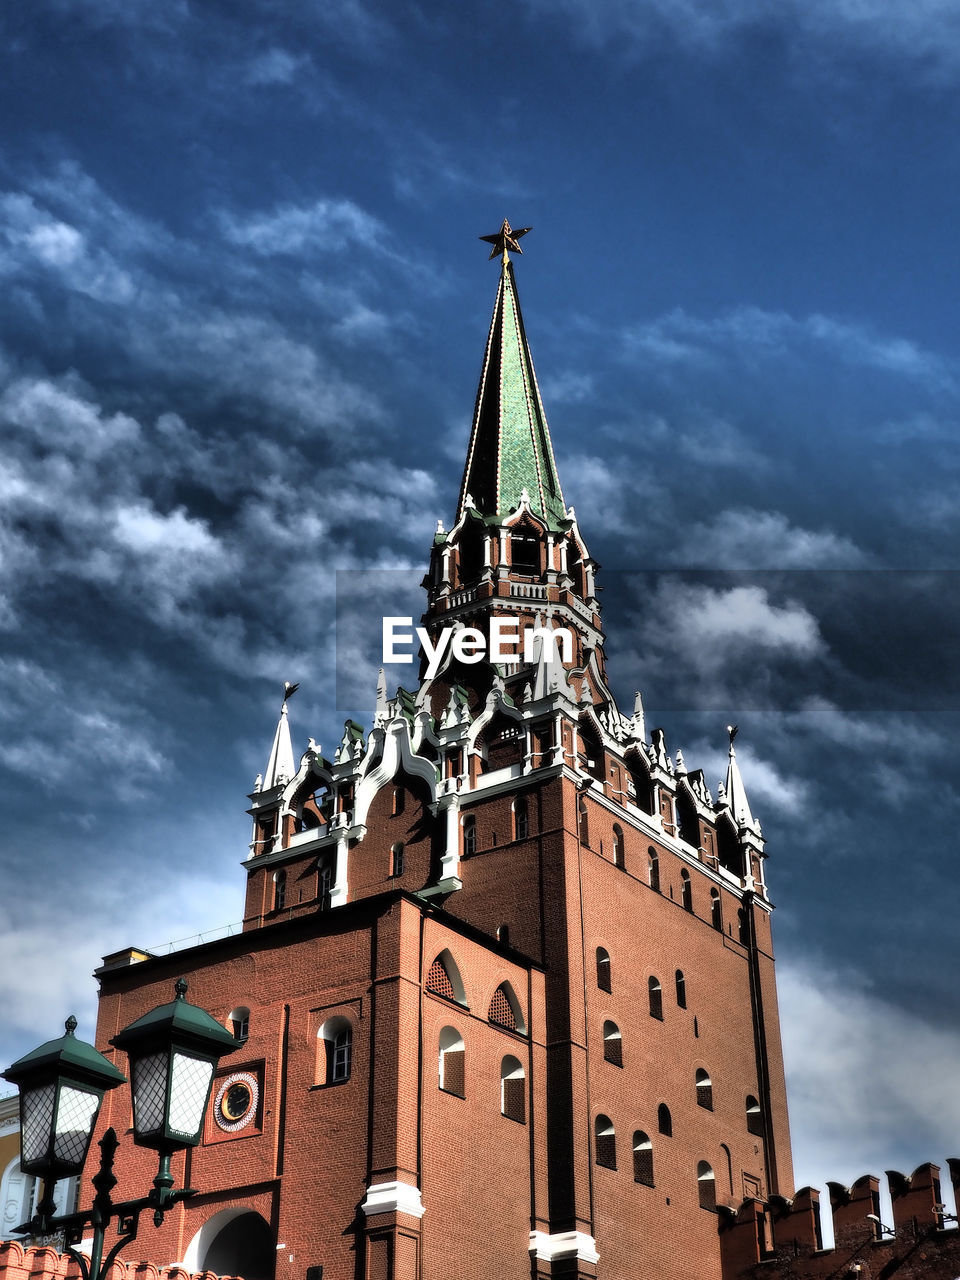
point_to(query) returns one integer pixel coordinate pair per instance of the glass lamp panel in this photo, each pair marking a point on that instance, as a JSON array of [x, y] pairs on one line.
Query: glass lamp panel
[[76, 1114], [149, 1093], [189, 1091], [36, 1121]]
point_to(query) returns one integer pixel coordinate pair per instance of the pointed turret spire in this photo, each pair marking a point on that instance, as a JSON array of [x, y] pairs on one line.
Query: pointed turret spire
[[734, 790], [510, 448], [280, 767]]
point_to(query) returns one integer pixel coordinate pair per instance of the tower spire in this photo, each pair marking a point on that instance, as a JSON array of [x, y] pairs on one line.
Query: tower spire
[[510, 448], [736, 794], [280, 766]]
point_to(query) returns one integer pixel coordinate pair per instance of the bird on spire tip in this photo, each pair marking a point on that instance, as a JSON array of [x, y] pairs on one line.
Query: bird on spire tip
[[504, 240]]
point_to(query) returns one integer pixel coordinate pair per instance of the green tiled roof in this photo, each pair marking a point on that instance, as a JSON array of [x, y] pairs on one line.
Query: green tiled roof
[[510, 447]]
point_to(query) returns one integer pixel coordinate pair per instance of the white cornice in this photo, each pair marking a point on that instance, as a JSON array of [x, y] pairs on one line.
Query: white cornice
[[564, 1244], [393, 1197]]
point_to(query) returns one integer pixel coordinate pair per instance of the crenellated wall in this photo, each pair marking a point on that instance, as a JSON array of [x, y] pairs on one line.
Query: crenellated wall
[[781, 1239], [37, 1262]]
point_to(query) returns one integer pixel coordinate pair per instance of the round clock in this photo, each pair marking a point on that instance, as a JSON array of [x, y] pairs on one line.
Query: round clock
[[236, 1102]]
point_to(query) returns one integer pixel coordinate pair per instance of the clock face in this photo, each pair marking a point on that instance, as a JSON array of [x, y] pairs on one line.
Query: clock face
[[236, 1102]]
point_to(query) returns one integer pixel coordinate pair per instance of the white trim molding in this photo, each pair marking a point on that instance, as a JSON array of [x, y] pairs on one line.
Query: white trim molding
[[393, 1197], [564, 1244]]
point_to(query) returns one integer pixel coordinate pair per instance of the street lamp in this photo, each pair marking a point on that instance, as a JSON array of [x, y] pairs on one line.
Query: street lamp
[[173, 1052]]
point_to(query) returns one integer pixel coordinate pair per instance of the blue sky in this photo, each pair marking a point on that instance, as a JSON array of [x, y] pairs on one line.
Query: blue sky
[[243, 309]]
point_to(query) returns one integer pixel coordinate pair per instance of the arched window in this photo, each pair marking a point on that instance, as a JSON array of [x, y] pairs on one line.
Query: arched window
[[603, 969], [443, 979], [706, 1187], [716, 911], [513, 1090], [612, 1044], [704, 1090], [664, 1120], [655, 993], [240, 1023], [686, 890], [451, 1062], [521, 824], [619, 858], [642, 1159], [653, 869], [606, 1142], [469, 835], [681, 990], [505, 1009], [399, 799], [335, 1060], [503, 934], [396, 860], [688, 825], [524, 552], [743, 927], [583, 821], [279, 890], [754, 1117]]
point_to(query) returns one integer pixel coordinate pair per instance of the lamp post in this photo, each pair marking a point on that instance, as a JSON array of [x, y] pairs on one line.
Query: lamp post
[[173, 1051]]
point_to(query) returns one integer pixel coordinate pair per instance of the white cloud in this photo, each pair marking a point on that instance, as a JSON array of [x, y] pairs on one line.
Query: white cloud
[[58, 413], [54, 958], [275, 66], [747, 539], [868, 1082], [707, 625], [327, 225], [721, 444], [29, 234], [682, 338]]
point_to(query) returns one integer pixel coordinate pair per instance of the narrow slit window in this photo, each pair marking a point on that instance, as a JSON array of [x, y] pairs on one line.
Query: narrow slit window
[[704, 1090], [513, 1087], [603, 970], [583, 821], [606, 1142], [642, 1159], [452, 1062], [469, 835], [279, 891], [521, 819], [396, 861], [681, 990], [655, 994], [716, 910], [754, 1117], [653, 870], [612, 1044], [619, 857], [686, 890], [664, 1120], [706, 1186]]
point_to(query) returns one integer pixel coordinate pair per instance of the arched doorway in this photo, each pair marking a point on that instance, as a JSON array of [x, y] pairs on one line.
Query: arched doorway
[[234, 1242]]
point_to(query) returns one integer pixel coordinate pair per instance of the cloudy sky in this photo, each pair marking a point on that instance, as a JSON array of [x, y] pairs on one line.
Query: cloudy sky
[[242, 313]]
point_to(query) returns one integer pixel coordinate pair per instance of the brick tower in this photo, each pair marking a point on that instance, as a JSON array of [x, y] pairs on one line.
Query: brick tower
[[505, 983]]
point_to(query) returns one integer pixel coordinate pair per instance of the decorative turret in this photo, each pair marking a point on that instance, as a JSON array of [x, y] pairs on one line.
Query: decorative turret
[[280, 766], [734, 791]]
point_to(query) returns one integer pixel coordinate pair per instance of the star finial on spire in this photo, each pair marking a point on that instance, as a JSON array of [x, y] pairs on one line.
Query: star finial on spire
[[505, 239]]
